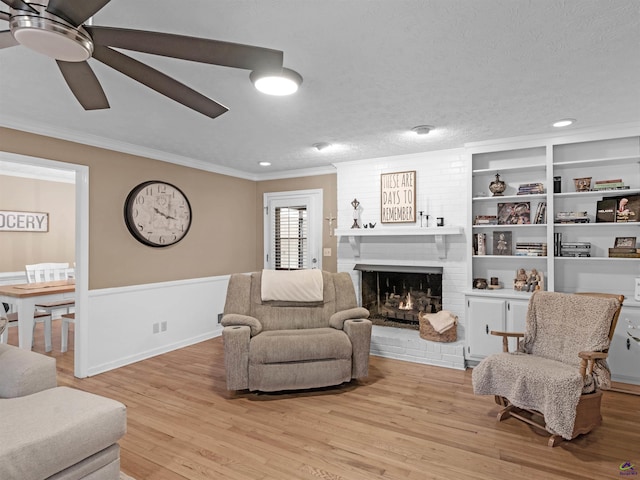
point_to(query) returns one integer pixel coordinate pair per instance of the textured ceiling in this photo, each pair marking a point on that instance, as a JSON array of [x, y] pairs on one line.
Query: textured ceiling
[[477, 70]]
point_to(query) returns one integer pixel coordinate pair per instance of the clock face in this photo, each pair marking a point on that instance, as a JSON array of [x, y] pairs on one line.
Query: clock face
[[157, 214]]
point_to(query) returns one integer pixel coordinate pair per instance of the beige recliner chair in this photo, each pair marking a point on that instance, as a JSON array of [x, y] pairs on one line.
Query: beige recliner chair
[[289, 330]]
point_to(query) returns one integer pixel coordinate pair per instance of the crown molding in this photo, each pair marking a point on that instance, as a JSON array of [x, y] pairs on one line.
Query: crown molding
[[122, 147]]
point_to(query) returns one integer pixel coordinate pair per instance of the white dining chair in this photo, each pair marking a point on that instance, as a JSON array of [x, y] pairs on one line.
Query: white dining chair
[[48, 272]]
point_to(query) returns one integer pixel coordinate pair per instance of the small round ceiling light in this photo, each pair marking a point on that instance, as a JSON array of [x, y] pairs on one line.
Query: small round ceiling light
[[422, 129], [284, 82], [264, 164], [565, 122], [321, 146]]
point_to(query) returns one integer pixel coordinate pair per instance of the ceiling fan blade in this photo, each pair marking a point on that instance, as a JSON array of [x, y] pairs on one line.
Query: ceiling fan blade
[[158, 81], [19, 5], [189, 48], [84, 84], [7, 40], [5, 16], [75, 11]]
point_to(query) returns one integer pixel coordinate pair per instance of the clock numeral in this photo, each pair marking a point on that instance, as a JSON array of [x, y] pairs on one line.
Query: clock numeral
[[162, 188], [140, 227], [139, 200], [162, 240], [148, 191], [135, 212]]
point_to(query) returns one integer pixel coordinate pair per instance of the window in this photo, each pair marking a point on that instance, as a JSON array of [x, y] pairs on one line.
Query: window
[[291, 238]]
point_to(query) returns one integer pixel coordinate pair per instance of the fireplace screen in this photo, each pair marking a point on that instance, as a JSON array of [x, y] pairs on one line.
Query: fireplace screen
[[397, 298]]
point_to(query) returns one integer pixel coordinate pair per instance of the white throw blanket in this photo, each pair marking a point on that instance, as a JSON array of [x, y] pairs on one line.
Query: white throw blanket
[[442, 320], [292, 285]]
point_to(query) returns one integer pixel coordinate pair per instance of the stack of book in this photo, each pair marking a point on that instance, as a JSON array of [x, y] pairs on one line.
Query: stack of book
[[624, 252], [613, 184], [531, 249], [530, 188], [575, 249], [572, 217], [480, 244], [541, 213], [485, 220]]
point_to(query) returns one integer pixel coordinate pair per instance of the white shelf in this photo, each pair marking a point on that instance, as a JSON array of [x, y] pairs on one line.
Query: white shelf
[[597, 225], [598, 161], [599, 193], [522, 168], [517, 198], [519, 257], [504, 226], [439, 234]]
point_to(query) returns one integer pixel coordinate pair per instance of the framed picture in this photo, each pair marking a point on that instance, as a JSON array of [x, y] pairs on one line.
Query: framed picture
[[502, 243], [625, 242], [627, 208], [514, 213], [398, 197]]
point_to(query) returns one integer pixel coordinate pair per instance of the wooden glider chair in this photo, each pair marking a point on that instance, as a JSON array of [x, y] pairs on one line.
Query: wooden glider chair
[[553, 380]]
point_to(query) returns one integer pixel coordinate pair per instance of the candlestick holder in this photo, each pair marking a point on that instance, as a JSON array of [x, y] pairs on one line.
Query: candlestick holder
[[355, 204]]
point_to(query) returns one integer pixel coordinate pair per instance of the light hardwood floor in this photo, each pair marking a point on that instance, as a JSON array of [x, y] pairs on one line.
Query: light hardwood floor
[[406, 421]]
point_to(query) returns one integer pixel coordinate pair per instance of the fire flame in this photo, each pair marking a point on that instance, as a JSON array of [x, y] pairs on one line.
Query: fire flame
[[408, 305]]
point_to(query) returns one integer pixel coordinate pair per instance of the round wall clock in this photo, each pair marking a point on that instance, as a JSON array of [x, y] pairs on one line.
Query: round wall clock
[[157, 213]]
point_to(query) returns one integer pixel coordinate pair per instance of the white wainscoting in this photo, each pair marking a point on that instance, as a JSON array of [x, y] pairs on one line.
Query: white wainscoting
[[120, 320]]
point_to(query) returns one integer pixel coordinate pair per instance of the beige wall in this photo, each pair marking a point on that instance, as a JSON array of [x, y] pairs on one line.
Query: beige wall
[[31, 195], [222, 238], [328, 184]]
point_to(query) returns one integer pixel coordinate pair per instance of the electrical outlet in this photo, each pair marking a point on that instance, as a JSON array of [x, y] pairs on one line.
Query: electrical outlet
[[163, 327], [156, 328], [636, 295], [326, 252], [220, 317]]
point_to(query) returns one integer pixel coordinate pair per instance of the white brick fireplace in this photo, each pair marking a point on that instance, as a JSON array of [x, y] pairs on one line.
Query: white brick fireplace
[[440, 192]]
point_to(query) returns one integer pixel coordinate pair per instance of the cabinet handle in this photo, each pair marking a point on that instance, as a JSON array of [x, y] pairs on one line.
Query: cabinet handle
[[486, 329], [628, 344]]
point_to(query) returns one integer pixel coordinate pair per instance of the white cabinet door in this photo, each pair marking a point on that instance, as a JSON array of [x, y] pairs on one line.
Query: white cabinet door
[[483, 315], [516, 319], [624, 352]]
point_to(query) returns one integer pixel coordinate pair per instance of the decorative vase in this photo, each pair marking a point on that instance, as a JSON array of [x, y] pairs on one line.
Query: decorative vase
[[497, 186]]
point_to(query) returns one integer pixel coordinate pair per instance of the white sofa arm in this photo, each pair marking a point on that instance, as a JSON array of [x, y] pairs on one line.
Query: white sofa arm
[[25, 372]]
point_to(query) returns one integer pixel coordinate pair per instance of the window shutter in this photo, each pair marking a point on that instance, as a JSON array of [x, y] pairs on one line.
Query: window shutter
[[291, 231]]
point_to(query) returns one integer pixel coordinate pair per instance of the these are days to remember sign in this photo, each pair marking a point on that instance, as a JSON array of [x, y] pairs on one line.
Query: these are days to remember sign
[[398, 197]]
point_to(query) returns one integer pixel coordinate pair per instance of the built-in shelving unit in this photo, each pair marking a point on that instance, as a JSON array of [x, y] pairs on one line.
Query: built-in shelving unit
[[600, 156], [439, 234]]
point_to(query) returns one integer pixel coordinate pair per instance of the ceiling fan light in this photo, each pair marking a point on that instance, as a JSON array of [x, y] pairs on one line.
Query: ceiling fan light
[[281, 83], [52, 38]]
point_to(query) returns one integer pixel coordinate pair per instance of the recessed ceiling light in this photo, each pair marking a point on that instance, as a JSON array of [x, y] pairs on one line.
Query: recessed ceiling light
[[565, 122], [321, 145], [284, 82], [423, 129], [264, 164]]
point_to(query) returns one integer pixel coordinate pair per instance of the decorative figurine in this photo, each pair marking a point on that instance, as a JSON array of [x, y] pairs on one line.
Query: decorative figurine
[[497, 187], [355, 204]]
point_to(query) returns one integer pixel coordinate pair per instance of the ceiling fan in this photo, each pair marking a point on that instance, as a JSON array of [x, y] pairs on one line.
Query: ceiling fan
[[56, 28]]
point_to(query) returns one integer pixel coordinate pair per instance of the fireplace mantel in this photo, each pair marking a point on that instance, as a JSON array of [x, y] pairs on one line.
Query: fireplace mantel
[[439, 234]]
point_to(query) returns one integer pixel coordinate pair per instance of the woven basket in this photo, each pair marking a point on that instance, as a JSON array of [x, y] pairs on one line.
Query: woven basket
[[428, 333]]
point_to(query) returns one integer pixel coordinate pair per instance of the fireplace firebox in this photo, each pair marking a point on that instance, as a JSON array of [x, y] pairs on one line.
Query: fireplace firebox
[[396, 295]]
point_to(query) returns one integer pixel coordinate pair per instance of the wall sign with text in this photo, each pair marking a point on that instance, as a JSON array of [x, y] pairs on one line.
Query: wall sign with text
[[398, 197], [11, 221]]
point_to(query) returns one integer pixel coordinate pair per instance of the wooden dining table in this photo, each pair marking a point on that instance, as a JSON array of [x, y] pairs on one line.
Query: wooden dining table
[[25, 296]]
